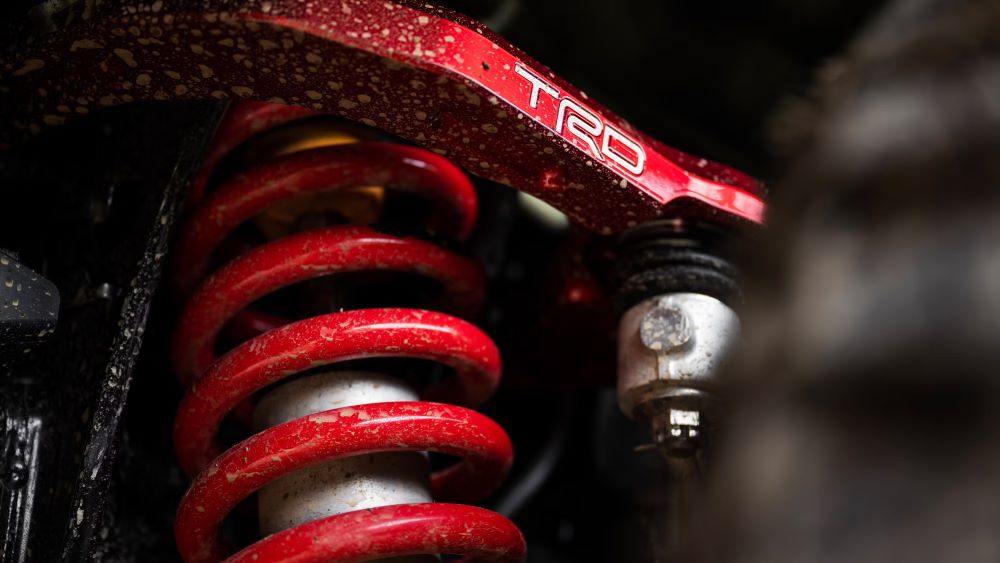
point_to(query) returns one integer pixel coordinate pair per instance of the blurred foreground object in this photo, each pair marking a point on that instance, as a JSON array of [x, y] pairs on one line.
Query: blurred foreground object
[[872, 362]]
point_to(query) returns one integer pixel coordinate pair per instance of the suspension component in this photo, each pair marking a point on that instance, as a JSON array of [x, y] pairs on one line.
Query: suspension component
[[336, 487], [670, 348], [337, 460], [434, 78], [426, 74], [673, 285]]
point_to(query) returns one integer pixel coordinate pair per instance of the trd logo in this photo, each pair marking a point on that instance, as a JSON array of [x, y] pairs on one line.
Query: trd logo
[[603, 140]]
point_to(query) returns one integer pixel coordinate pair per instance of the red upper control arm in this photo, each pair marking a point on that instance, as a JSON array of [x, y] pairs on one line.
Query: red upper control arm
[[426, 74]]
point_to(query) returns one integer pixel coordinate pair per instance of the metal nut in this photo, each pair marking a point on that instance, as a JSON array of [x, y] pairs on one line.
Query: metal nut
[[677, 433]]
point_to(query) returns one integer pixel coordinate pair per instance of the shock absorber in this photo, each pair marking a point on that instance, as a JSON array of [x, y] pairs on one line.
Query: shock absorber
[[338, 461], [675, 290]]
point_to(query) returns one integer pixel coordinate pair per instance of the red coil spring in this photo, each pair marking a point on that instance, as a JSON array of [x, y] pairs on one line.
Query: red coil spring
[[220, 385]]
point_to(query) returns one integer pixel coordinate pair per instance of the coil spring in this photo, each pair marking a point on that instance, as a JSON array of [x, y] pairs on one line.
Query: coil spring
[[218, 386]]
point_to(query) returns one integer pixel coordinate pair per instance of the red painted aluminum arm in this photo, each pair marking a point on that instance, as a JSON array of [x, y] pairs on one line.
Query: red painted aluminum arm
[[426, 74]]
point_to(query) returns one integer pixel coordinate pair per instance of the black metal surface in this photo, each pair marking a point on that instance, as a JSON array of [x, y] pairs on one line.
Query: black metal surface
[[29, 306], [96, 202], [19, 476]]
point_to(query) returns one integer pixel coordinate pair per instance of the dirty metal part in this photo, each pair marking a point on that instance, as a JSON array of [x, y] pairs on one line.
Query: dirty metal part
[[320, 170], [345, 485], [339, 458], [64, 403], [359, 205], [669, 351], [678, 433], [93, 480], [306, 256], [423, 73], [21, 432], [672, 343], [29, 304], [399, 426]]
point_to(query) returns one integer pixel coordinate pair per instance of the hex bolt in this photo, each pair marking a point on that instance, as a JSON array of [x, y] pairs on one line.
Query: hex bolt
[[664, 328]]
